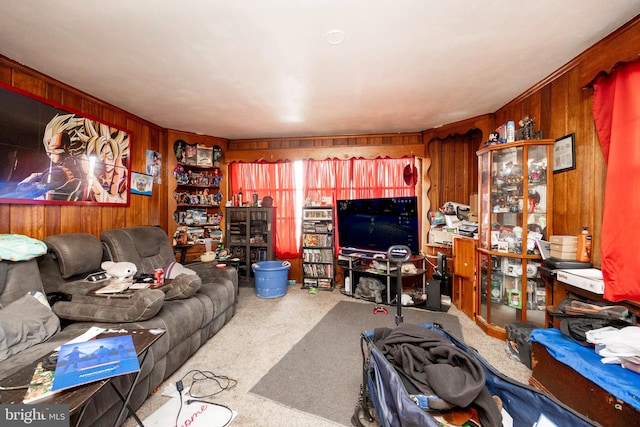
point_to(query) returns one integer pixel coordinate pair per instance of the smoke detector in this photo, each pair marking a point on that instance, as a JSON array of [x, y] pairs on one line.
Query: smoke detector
[[334, 37]]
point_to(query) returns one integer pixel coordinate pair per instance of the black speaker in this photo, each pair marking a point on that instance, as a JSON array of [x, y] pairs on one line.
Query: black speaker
[[433, 295]]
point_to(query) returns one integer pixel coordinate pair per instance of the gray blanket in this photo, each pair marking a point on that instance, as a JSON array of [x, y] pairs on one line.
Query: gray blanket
[[24, 323]]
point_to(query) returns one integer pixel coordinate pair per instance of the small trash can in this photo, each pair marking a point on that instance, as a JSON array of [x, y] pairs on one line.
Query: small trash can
[[271, 278]]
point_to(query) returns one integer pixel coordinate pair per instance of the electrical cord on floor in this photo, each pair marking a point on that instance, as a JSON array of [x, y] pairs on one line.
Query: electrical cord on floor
[[199, 377], [226, 423], [202, 380], [179, 387]]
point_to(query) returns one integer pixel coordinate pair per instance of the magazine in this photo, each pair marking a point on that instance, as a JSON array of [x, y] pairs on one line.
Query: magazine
[[94, 360], [40, 385]]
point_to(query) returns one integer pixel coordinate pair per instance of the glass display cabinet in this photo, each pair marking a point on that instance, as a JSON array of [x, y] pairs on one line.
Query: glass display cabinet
[[515, 196]]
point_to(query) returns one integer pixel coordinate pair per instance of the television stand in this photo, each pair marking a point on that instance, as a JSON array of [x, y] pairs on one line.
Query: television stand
[[358, 263]]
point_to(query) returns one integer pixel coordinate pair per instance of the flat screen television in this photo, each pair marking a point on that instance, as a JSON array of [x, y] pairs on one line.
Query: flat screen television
[[377, 224]]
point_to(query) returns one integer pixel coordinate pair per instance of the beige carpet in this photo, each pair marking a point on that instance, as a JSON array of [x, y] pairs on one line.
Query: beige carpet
[[264, 330]]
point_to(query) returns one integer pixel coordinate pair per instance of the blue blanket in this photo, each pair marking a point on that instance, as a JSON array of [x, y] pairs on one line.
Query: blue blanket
[[620, 382]]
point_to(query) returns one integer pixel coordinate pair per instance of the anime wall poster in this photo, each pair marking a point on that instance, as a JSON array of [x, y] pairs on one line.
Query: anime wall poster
[[50, 155], [141, 184]]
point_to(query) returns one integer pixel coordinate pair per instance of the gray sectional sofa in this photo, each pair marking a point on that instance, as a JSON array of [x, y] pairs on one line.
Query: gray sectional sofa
[[191, 309]]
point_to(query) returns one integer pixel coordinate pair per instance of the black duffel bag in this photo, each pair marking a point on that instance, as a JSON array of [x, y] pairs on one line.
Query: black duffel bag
[[578, 317]]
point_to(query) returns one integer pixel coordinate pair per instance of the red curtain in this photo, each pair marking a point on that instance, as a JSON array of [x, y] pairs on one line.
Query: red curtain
[[331, 178], [616, 109], [321, 179], [276, 180], [356, 178]]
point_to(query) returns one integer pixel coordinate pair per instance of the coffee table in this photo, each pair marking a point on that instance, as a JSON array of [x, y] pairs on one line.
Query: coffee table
[[79, 397]]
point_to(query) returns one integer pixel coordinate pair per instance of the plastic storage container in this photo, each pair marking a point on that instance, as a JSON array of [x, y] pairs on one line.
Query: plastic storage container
[[271, 278]]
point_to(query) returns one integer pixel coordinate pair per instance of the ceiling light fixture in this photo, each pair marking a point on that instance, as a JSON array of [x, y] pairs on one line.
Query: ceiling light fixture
[[334, 37]]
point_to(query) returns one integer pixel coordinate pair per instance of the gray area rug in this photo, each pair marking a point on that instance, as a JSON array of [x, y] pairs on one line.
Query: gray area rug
[[322, 373]]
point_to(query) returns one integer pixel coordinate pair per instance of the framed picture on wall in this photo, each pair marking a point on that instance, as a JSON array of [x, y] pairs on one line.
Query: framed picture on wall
[[564, 154], [53, 155], [141, 184]]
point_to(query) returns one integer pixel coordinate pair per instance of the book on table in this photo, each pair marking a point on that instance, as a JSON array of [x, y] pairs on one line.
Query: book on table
[[82, 363], [40, 385], [94, 360]]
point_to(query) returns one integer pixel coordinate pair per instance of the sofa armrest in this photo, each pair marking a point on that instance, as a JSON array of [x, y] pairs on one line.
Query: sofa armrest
[[183, 286], [208, 272]]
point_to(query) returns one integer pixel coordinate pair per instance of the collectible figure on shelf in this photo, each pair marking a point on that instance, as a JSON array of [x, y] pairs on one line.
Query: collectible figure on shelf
[[526, 130]]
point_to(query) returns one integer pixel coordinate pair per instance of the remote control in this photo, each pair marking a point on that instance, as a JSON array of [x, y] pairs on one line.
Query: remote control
[[97, 277]]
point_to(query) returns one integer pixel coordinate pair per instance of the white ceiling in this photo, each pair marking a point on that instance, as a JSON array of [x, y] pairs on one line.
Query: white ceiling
[[262, 68]]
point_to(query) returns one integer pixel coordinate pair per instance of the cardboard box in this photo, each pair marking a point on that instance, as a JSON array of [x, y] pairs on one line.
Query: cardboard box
[[564, 255], [569, 247], [564, 248], [564, 241]]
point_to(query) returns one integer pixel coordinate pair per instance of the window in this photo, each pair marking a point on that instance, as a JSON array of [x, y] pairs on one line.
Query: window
[[290, 183]]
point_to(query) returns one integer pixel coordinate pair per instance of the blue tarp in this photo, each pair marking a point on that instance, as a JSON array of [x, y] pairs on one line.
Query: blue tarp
[[620, 382]]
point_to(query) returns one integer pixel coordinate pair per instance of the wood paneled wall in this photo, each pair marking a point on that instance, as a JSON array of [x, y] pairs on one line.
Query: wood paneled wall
[[39, 221], [454, 168], [561, 104], [319, 148], [451, 165]]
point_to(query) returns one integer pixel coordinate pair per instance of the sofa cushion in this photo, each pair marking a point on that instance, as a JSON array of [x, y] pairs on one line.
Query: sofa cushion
[[136, 306], [75, 253], [18, 278], [24, 323], [183, 286], [148, 247]]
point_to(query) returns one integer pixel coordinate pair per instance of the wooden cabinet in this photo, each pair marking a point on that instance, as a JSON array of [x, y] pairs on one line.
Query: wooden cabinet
[[464, 276], [431, 255], [250, 236], [515, 196], [317, 248]]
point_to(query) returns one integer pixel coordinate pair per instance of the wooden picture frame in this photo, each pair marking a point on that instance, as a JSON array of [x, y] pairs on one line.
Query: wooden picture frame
[[564, 154], [54, 155]]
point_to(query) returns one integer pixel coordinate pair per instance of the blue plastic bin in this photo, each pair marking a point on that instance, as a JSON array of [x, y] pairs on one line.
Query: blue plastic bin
[[271, 278]]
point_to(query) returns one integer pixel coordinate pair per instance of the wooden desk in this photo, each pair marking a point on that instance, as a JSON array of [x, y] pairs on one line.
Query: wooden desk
[[79, 397], [557, 291]]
